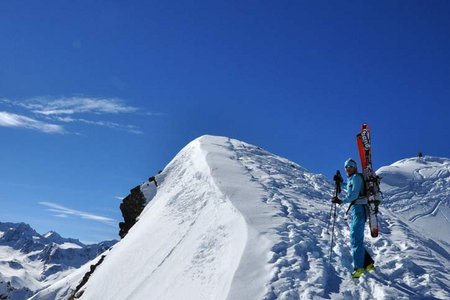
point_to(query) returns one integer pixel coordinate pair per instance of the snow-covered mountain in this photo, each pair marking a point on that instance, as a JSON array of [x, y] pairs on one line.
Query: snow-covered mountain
[[418, 190], [232, 221], [30, 262]]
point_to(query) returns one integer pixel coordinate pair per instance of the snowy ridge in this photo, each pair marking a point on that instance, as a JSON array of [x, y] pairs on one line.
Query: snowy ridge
[[189, 230], [232, 221], [295, 196]]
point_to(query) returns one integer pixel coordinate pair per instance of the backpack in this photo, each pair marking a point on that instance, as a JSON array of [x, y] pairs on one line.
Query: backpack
[[363, 193]]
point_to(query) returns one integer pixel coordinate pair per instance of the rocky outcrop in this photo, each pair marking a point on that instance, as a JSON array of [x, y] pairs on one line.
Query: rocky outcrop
[[131, 207], [133, 204], [77, 293]]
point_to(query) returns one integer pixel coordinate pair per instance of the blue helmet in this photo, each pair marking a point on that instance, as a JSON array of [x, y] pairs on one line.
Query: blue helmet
[[350, 163]]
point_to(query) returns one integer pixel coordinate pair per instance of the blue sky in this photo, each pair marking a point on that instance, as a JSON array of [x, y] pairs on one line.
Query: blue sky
[[96, 96]]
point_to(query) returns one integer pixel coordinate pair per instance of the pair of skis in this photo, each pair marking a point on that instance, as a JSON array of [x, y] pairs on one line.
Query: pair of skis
[[371, 180]]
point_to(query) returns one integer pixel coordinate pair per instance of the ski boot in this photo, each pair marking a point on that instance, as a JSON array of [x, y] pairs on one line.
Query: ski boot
[[370, 268], [358, 272]]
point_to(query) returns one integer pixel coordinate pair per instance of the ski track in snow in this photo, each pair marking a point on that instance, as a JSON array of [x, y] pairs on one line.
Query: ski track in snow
[[417, 190], [297, 255], [433, 211], [300, 258]]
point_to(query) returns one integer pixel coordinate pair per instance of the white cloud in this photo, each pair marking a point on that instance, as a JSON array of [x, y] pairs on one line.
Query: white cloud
[[113, 125], [14, 120], [77, 105], [70, 110], [61, 216], [61, 211]]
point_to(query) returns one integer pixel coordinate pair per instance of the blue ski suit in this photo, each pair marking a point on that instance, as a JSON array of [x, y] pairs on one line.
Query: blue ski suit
[[354, 188]]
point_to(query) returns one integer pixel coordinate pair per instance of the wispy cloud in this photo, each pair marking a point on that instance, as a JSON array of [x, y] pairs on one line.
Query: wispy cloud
[[71, 110], [64, 212], [113, 125], [14, 120], [78, 105]]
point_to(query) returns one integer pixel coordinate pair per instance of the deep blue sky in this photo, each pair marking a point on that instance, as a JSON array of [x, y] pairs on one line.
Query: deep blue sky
[[96, 96]]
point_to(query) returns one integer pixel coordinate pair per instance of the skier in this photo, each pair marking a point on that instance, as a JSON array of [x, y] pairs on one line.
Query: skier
[[355, 189]]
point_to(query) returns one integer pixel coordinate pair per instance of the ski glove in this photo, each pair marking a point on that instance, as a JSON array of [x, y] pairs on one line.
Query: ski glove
[[336, 200]]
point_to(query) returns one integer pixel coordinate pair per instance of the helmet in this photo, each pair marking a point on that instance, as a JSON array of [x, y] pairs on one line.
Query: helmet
[[350, 163]]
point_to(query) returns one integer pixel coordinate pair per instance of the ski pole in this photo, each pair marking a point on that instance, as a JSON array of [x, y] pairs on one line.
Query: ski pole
[[337, 190], [332, 231], [329, 219]]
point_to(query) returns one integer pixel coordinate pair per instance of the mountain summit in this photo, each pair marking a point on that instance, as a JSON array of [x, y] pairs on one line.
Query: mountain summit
[[232, 221]]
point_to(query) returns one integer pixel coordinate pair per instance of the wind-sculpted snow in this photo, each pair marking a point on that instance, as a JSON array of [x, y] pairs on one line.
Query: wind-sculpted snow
[[418, 190], [232, 221], [187, 243]]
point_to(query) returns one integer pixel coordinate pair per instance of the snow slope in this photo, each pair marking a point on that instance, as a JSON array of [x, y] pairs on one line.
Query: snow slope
[[232, 221], [418, 190]]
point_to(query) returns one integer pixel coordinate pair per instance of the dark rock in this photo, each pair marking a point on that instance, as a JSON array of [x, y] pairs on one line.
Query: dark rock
[[131, 207]]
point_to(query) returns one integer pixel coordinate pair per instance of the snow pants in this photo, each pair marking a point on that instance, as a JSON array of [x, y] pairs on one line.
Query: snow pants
[[361, 257]]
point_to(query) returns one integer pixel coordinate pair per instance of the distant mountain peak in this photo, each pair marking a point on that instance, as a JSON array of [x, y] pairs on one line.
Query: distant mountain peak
[[38, 260], [51, 234]]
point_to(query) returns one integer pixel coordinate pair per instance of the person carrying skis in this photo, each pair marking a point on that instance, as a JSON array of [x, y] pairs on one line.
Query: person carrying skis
[[355, 189]]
